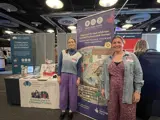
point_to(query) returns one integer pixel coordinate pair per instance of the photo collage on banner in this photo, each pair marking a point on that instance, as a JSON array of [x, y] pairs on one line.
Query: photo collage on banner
[[21, 51], [131, 38], [94, 34]]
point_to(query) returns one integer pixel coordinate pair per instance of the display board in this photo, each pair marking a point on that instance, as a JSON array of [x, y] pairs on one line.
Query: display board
[[39, 94], [94, 34], [21, 51], [131, 38]]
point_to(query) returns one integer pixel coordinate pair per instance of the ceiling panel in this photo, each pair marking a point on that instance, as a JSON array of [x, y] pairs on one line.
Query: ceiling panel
[[37, 11]]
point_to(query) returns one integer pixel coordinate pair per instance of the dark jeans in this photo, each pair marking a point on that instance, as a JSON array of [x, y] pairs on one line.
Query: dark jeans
[[144, 108]]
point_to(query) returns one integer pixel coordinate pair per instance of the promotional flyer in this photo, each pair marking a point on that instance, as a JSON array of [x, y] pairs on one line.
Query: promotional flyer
[[21, 51], [94, 34]]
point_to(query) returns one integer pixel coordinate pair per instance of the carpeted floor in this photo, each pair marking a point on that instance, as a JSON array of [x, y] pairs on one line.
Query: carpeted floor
[[17, 113], [8, 112]]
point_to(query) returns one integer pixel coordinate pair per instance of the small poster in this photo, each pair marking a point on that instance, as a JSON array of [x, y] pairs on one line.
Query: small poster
[[21, 51], [37, 70], [48, 69]]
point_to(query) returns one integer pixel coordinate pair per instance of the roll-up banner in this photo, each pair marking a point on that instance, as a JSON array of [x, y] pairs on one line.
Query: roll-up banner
[[94, 34]]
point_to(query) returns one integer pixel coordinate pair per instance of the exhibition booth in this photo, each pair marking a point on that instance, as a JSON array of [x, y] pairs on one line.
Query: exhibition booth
[[38, 88], [34, 83]]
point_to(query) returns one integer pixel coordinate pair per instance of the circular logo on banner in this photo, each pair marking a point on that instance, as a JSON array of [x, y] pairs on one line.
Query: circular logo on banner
[[26, 60], [100, 20], [87, 23], [22, 60], [107, 45], [93, 22], [79, 29], [29, 60]]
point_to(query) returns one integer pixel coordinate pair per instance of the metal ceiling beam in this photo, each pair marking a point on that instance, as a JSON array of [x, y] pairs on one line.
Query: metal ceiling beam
[[86, 13], [149, 23], [12, 29], [19, 22], [48, 19]]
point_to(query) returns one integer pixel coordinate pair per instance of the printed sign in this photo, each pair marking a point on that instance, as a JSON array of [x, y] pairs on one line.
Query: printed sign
[[94, 34], [21, 51]]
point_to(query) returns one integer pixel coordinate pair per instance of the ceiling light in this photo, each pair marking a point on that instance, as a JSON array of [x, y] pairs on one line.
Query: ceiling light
[[74, 31], [126, 26], [8, 32], [107, 3], [158, 1], [153, 28], [72, 27], [56, 4], [29, 31], [50, 31]]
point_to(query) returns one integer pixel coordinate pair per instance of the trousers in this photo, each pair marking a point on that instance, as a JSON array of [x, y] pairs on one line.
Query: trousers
[[118, 110], [68, 92]]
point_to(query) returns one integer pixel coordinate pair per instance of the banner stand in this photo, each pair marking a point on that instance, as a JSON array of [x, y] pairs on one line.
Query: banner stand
[[86, 115], [94, 35]]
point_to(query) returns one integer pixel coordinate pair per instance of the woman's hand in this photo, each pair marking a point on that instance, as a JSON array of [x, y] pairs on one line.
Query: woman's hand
[[136, 97], [103, 92], [59, 79], [78, 81]]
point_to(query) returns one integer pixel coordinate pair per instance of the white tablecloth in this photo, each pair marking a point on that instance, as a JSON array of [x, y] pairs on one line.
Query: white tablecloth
[[39, 94]]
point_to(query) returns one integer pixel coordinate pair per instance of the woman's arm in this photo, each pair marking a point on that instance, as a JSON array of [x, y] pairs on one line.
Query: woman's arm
[[105, 79], [103, 76], [79, 68], [138, 75], [60, 64]]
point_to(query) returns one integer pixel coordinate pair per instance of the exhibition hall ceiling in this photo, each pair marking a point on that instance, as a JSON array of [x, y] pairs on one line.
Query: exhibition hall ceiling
[[21, 15]]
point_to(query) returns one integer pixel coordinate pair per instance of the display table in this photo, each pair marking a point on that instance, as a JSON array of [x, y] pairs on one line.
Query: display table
[[39, 94]]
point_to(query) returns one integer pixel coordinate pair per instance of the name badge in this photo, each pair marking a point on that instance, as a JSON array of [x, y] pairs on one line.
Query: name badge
[[74, 60], [129, 59]]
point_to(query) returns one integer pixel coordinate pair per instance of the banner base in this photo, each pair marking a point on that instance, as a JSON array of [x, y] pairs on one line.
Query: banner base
[[86, 115]]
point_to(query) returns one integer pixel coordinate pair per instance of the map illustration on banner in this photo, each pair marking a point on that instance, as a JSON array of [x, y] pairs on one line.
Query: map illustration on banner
[[94, 34]]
